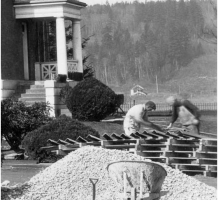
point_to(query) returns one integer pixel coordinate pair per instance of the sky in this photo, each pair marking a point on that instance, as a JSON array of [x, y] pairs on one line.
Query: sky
[[92, 2]]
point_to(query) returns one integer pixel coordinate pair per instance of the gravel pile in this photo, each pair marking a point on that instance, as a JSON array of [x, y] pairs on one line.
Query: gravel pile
[[68, 179]]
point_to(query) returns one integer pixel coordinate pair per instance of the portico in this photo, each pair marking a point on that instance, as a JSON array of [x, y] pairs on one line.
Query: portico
[[58, 11], [36, 48]]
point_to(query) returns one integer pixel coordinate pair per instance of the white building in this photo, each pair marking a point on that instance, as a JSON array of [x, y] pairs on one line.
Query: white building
[[137, 90]]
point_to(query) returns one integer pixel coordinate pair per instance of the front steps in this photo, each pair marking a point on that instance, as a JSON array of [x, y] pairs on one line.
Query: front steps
[[36, 93]]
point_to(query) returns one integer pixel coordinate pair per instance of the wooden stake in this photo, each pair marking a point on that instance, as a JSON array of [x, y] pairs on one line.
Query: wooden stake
[[124, 184], [133, 193], [141, 180]]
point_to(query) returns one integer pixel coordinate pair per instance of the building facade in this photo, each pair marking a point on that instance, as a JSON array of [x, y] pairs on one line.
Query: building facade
[[33, 39]]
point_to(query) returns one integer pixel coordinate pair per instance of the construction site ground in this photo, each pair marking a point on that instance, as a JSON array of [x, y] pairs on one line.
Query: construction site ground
[[20, 171]]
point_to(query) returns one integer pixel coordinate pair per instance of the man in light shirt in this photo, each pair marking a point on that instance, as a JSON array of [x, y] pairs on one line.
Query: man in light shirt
[[137, 116]]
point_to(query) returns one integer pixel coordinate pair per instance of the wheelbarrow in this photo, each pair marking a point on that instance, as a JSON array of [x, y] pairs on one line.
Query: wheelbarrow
[[133, 177]]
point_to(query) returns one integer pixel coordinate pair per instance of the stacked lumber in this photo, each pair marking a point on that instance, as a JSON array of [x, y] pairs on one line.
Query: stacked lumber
[[190, 153]]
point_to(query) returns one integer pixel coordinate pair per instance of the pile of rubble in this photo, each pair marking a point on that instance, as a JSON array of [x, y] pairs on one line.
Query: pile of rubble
[[68, 178]]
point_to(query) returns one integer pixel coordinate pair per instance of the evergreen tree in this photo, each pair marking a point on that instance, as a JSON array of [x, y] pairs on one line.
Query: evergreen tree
[[158, 38], [107, 41], [196, 17], [182, 11]]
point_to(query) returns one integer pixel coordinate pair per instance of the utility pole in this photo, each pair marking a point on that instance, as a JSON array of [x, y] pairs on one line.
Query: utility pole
[[156, 84]]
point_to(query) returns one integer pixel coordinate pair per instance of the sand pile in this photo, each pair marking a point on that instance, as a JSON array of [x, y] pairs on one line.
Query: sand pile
[[68, 179]]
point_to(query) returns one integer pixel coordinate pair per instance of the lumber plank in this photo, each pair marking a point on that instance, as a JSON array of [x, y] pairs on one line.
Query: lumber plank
[[206, 161], [125, 136], [107, 137], [154, 145], [119, 146], [144, 135], [114, 135], [67, 148], [185, 145], [152, 135], [162, 134], [71, 141], [205, 155], [61, 152], [171, 134], [203, 148], [141, 135], [62, 142], [188, 134], [53, 142], [134, 136], [50, 148], [81, 139], [93, 138]]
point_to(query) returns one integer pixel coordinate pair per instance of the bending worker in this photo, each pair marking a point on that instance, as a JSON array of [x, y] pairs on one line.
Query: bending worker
[[186, 112], [137, 116]]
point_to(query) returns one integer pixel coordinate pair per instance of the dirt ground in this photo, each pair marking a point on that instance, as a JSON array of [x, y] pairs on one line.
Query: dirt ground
[[16, 174], [20, 171], [19, 175], [211, 181]]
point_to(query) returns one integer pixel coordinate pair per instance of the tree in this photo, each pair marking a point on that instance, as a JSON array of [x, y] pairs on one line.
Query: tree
[[182, 11], [159, 37], [88, 69], [107, 41], [196, 17]]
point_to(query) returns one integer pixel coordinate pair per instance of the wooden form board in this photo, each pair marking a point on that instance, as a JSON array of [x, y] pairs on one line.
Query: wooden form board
[[192, 155]]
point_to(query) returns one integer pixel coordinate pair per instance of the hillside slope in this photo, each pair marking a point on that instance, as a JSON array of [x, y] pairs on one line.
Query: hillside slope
[[199, 77], [197, 81]]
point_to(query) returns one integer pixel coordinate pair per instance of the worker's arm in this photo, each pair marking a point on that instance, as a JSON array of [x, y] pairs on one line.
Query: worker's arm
[[174, 115], [149, 124]]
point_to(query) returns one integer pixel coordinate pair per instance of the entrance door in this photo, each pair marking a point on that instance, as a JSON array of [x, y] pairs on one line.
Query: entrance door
[[25, 51]]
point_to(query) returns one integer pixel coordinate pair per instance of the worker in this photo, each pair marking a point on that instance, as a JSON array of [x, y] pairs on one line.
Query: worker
[[186, 112], [137, 116]]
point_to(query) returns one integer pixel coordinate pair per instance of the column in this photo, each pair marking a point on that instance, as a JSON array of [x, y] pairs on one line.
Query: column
[[77, 45], [61, 46], [52, 95]]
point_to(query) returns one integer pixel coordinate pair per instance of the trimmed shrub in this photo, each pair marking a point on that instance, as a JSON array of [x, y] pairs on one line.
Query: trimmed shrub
[[17, 119], [62, 127], [91, 100], [76, 76], [64, 93]]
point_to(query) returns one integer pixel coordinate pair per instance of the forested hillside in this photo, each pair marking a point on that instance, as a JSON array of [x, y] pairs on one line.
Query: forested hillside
[[144, 42]]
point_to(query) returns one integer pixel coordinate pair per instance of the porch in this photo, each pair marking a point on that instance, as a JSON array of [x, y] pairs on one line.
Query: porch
[[50, 44], [49, 70]]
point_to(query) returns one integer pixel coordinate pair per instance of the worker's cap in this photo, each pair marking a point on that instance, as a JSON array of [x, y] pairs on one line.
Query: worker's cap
[[151, 105], [170, 100]]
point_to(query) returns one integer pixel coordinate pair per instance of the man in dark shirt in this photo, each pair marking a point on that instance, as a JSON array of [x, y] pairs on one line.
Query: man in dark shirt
[[187, 113]]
